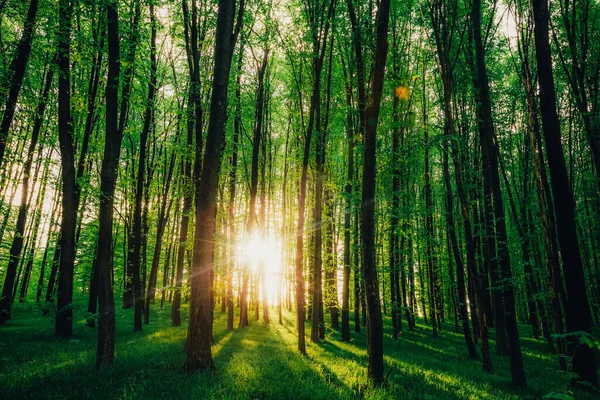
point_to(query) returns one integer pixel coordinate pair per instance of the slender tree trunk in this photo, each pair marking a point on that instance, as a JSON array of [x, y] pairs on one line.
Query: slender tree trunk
[[165, 205], [375, 322], [17, 68], [108, 176], [350, 129], [431, 263], [132, 295], [41, 194], [51, 221], [17, 244], [460, 277], [200, 323], [64, 312], [237, 128], [493, 194]]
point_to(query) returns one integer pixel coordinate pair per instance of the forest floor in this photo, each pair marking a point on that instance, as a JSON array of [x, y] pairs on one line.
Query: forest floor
[[260, 362]]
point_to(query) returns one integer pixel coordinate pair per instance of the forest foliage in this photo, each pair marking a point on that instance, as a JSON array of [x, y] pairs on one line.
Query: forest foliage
[[410, 169]]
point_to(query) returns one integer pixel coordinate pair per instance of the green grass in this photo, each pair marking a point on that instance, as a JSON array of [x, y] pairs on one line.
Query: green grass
[[260, 362]]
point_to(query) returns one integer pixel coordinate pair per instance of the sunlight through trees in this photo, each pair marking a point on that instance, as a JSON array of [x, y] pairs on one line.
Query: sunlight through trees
[[391, 185]]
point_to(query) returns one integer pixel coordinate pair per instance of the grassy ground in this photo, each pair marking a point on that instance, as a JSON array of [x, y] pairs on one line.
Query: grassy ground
[[260, 362]]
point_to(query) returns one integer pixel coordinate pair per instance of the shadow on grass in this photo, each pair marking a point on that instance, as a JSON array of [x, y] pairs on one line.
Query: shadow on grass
[[258, 362]]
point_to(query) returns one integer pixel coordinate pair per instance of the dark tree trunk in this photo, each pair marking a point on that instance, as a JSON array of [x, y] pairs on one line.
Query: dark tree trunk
[[54, 209], [318, 54], [262, 223], [237, 127], [577, 308], [460, 275], [108, 177], [357, 273], [200, 323], [35, 230], [429, 234], [186, 183], [17, 245], [17, 68], [329, 261], [132, 294], [350, 129], [165, 204], [444, 19], [64, 312], [506, 300], [375, 322], [395, 247], [317, 283]]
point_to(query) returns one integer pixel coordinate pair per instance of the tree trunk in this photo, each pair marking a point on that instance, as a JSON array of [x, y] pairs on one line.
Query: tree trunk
[[108, 177], [17, 244], [64, 312], [237, 127], [505, 301], [375, 322], [200, 323], [350, 129], [577, 308], [17, 68], [165, 204]]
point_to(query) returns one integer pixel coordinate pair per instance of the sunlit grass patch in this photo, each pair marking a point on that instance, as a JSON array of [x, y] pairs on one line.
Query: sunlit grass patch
[[258, 362]]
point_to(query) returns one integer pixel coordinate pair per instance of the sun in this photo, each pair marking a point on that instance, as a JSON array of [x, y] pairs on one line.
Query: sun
[[263, 251]]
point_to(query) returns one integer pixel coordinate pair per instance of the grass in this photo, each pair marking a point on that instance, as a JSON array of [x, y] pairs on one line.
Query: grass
[[260, 362]]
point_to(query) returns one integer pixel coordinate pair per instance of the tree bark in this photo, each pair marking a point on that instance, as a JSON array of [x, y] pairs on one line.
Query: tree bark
[[17, 68], [17, 244], [375, 322], [108, 176], [64, 312], [200, 323], [577, 308], [493, 194]]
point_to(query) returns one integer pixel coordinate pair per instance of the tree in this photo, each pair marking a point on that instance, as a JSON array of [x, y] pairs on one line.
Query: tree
[[200, 324], [17, 67], [64, 313], [577, 307], [369, 129], [112, 150], [494, 213]]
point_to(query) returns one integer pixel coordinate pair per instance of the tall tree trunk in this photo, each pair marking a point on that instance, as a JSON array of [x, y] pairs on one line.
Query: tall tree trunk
[[443, 18], [17, 68], [493, 194], [375, 322], [460, 274], [17, 244], [50, 234], [41, 194], [317, 298], [256, 146], [200, 323], [132, 295], [318, 54], [186, 183], [108, 177], [350, 127], [429, 250], [263, 226], [237, 128], [577, 308], [165, 205], [64, 312]]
